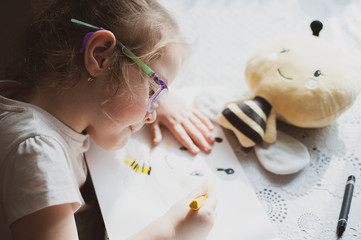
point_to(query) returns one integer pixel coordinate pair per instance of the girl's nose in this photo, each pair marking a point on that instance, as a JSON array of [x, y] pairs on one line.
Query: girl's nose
[[150, 117]]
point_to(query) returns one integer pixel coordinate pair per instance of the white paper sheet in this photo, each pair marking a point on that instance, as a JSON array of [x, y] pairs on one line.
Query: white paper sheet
[[131, 196]]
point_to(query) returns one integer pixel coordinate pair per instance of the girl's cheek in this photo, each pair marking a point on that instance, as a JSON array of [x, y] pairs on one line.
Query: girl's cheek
[[128, 111]]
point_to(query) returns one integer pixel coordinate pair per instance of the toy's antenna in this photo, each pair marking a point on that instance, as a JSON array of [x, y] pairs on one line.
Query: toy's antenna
[[316, 27]]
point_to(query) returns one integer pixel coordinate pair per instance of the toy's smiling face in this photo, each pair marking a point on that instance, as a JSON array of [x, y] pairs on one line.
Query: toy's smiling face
[[293, 63], [308, 81], [311, 82]]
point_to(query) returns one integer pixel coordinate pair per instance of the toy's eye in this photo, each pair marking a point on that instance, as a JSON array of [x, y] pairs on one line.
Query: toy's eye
[[285, 50], [317, 73]]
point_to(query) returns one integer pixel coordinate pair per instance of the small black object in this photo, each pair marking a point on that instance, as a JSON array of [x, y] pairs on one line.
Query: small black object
[[218, 139], [346, 204], [183, 148], [316, 27], [227, 170], [317, 73]]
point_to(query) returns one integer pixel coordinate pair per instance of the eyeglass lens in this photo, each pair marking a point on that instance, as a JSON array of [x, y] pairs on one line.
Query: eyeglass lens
[[157, 99]]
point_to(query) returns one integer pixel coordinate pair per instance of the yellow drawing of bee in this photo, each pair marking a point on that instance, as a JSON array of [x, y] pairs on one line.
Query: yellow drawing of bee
[[136, 167]]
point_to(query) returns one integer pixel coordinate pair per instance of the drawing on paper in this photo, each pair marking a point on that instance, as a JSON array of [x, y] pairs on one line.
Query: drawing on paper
[[153, 179], [170, 168], [136, 166]]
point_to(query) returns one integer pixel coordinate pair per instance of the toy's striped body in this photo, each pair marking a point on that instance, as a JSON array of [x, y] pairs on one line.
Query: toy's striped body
[[248, 120]]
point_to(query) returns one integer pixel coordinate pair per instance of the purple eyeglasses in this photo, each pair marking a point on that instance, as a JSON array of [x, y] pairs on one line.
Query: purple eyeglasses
[[156, 99]]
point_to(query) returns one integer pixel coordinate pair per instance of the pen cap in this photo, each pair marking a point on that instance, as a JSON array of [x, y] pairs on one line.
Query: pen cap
[[351, 179]]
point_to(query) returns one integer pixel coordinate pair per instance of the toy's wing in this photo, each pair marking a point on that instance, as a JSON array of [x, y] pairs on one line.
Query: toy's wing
[[248, 120], [286, 156]]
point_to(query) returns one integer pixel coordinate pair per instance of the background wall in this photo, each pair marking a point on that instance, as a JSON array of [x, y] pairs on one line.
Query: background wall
[[14, 17]]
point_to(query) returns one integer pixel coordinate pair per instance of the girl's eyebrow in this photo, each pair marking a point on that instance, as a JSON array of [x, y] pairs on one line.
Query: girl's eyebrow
[[153, 85], [164, 78]]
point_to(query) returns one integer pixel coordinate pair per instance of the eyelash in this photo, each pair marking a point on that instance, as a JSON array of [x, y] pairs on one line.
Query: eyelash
[[151, 91], [152, 87]]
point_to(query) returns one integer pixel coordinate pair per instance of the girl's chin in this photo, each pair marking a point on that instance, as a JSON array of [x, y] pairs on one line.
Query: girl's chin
[[118, 145], [122, 141], [119, 141]]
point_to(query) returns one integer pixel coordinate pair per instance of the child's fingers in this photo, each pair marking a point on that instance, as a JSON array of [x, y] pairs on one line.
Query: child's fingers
[[156, 133], [196, 193], [211, 201], [197, 136], [180, 133], [203, 129], [205, 120]]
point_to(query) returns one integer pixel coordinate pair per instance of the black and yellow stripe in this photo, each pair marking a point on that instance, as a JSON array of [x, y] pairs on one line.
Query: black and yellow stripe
[[247, 120], [136, 167]]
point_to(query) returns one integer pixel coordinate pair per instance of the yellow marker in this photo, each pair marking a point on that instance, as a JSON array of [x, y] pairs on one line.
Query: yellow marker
[[198, 202]]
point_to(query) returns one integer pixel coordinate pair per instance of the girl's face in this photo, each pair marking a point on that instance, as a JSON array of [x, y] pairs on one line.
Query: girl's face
[[113, 122]]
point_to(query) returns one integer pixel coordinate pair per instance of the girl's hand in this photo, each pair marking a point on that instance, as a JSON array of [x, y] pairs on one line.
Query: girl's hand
[[181, 222], [189, 223], [190, 127]]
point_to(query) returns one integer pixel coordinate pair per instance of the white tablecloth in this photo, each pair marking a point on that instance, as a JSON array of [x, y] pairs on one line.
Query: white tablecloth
[[222, 35]]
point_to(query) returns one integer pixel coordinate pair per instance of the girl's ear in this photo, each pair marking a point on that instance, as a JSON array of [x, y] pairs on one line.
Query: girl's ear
[[98, 51]]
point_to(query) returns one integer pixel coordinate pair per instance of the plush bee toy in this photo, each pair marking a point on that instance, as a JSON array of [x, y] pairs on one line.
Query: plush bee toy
[[302, 80]]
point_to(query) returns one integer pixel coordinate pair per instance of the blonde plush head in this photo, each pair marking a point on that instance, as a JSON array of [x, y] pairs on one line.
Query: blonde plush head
[[308, 81]]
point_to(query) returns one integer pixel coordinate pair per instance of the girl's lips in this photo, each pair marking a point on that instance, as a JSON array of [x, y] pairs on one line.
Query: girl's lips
[[131, 128], [134, 129]]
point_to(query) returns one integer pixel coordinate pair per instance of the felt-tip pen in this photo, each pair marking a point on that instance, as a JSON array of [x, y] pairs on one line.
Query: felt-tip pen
[[198, 202], [346, 204]]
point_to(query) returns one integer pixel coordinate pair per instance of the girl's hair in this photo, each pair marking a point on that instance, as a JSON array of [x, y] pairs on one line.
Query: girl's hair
[[53, 42]]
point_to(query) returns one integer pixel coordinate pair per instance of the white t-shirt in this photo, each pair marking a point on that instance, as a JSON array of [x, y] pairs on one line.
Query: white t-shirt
[[41, 160]]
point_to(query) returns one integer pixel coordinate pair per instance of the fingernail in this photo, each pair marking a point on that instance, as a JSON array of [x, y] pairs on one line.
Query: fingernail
[[156, 140], [207, 149], [195, 150]]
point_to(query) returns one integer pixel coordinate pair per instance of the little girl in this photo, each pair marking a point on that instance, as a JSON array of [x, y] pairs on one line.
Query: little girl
[[99, 69]]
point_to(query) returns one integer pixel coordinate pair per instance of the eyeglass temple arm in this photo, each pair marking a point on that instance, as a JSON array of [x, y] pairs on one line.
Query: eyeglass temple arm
[[129, 53]]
